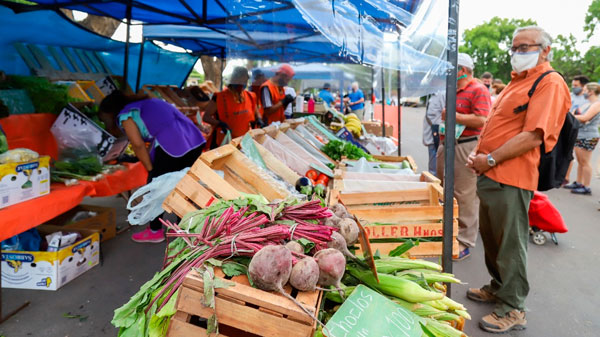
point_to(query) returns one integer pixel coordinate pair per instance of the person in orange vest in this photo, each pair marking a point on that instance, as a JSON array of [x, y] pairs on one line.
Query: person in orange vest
[[234, 109], [258, 78], [273, 97]]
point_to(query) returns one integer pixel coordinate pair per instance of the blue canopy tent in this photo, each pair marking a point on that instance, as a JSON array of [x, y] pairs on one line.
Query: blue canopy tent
[[41, 29], [352, 31]]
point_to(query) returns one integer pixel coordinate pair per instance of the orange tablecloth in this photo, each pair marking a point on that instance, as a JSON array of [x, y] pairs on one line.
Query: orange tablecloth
[[18, 218]]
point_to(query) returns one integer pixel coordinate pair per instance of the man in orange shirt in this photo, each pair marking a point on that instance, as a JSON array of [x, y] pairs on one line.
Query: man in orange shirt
[[273, 97], [507, 159]]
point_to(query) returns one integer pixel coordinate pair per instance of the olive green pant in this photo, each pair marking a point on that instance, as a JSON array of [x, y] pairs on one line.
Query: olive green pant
[[504, 229]]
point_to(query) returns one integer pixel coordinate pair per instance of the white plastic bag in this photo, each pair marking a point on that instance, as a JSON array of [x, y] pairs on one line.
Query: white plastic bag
[[153, 195]]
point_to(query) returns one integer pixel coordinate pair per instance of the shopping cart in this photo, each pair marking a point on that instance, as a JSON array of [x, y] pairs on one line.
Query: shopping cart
[[544, 218]]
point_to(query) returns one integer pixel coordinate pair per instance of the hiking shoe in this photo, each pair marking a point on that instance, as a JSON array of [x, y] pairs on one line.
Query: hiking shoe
[[573, 185], [481, 295], [514, 320], [582, 190], [463, 254], [149, 236]]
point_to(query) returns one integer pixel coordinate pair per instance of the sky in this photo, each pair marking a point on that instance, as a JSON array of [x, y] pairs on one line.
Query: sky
[[555, 16]]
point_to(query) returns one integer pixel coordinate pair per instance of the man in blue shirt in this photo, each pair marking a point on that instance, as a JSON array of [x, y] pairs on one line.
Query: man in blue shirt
[[356, 101], [326, 95]]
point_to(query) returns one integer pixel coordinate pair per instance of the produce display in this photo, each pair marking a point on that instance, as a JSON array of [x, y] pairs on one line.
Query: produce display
[[233, 231], [301, 243]]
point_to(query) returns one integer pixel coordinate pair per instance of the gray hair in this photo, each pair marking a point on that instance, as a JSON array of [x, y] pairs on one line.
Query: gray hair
[[545, 38], [355, 85]]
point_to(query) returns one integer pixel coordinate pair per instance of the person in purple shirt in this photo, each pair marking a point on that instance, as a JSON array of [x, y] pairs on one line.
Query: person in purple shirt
[[175, 142]]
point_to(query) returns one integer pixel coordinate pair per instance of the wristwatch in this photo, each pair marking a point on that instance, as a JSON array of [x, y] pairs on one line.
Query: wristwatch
[[490, 160]]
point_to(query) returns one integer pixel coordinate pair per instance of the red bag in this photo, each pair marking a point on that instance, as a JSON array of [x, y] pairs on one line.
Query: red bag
[[543, 215]]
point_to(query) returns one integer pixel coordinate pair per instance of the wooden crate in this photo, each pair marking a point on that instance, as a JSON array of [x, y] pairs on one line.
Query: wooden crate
[[341, 174], [201, 185], [406, 214], [242, 173], [273, 163], [242, 311]]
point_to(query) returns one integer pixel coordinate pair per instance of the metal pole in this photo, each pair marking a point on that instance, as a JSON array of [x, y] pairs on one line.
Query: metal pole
[[399, 94], [222, 61], [372, 93], [126, 62], [383, 102], [139, 70], [453, 8], [399, 115]]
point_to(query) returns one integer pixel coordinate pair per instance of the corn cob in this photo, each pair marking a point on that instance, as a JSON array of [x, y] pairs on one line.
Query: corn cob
[[440, 329], [395, 286], [429, 275], [390, 265]]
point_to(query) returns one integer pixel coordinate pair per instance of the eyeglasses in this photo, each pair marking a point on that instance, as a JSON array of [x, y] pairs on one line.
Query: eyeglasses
[[522, 48]]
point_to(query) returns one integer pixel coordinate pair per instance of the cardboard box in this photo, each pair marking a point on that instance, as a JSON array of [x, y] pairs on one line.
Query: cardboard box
[[104, 222], [374, 128], [50, 270], [23, 181]]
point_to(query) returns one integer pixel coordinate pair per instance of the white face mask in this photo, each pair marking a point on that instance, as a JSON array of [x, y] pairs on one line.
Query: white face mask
[[524, 61]]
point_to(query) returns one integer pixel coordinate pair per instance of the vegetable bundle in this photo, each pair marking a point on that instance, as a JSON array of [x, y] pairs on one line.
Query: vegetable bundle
[[336, 149], [226, 230]]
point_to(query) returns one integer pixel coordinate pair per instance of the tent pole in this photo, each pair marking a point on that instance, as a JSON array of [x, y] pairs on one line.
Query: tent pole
[[383, 101], [222, 60], [126, 62], [399, 113], [139, 70], [450, 129], [372, 93]]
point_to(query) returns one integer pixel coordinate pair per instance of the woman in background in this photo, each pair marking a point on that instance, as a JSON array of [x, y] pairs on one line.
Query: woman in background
[[587, 139], [175, 142]]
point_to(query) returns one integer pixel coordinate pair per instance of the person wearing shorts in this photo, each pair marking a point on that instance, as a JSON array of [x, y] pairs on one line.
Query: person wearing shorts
[[587, 139]]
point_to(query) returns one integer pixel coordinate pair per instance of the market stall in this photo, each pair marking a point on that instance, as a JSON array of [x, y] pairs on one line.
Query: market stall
[[238, 206]]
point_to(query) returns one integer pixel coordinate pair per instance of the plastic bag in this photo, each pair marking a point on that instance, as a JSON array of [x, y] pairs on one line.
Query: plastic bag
[[153, 195], [227, 138], [18, 156]]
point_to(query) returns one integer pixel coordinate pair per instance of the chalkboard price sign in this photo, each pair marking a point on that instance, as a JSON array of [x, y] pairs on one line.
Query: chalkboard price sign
[[366, 313]]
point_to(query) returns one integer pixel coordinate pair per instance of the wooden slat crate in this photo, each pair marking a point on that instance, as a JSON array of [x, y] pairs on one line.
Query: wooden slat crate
[[197, 189], [202, 184], [242, 311], [406, 214], [242, 173], [273, 163]]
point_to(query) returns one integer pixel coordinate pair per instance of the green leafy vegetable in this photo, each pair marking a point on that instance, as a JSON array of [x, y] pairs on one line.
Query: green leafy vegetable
[[232, 269], [306, 244], [336, 149], [405, 247]]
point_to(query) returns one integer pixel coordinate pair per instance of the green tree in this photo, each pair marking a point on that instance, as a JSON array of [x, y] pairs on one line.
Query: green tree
[[591, 63], [567, 58], [488, 45], [592, 18]]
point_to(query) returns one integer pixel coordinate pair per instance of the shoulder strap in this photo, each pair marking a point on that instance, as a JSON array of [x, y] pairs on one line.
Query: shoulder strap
[[524, 107], [538, 80]]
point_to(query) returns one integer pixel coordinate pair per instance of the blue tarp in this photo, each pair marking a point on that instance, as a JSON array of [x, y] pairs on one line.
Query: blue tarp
[[47, 28], [407, 35]]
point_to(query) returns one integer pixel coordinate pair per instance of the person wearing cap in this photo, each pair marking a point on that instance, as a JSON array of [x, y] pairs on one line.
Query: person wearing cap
[[234, 109], [326, 95], [273, 97], [473, 104], [506, 159]]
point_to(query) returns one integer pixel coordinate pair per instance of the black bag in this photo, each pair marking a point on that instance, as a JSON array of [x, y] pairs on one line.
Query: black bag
[[554, 164]]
